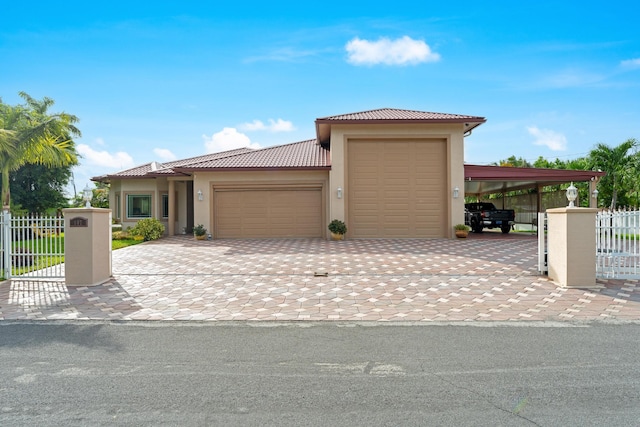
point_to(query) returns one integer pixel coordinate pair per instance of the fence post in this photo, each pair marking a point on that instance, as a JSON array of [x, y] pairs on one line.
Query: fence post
[[572, 246], [6, 243], [87, 246]]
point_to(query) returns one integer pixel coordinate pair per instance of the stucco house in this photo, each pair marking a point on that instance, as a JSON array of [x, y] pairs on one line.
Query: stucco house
[[387, 173]]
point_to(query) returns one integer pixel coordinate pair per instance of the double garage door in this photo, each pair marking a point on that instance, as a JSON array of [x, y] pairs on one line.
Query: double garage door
[[268, 212], [397, 188]]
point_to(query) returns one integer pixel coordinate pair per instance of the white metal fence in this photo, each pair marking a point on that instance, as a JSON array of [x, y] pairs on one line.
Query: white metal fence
[[617, 253], [32, 246]]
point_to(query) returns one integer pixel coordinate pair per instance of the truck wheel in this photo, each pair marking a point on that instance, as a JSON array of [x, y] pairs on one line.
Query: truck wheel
[[505, 229]]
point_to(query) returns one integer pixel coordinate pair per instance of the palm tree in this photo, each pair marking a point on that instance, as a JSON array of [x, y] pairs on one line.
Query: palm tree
[[29, 134], [618, 163]]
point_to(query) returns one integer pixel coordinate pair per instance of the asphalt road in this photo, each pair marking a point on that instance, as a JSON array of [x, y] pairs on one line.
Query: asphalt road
[[318, 374]]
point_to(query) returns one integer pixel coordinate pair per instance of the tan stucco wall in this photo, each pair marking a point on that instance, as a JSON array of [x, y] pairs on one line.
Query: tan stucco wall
[[181, 221], [452, 133], [87, 248], [206, 181], [571, 254]]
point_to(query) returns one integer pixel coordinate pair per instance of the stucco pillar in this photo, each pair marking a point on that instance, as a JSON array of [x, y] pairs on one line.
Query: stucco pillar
[[87, 246], [172, 208], [572, 246], [593, 201]]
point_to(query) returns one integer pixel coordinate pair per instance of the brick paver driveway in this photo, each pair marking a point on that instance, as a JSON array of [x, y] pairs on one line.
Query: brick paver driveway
[[485, 277]]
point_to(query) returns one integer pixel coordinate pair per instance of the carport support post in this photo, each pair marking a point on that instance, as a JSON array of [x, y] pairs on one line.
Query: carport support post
[[87, 246], [572, 246]]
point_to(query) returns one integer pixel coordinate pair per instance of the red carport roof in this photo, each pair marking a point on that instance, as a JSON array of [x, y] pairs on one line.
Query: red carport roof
[[492, 179]]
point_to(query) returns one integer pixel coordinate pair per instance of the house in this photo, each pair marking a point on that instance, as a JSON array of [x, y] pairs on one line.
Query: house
[[387, 173]]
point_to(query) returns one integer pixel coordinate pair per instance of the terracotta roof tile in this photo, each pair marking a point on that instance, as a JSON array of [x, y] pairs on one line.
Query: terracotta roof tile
[[163, 169], [401, 115], [136, 171], [392, 115], [298, 155], [169, 167], [210, 156]]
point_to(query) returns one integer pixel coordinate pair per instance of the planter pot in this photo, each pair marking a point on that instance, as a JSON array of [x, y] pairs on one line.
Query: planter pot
[[462, 234], [203, 237], [336, 236]]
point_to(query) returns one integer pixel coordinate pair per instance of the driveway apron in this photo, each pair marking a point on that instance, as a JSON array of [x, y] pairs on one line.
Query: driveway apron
[[482, 278]]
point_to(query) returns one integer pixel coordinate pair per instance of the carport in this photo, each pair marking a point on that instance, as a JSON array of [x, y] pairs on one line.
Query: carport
[[483, 180]]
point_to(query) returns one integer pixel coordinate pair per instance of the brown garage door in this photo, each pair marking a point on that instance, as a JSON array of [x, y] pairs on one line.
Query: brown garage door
[[397, 188], [268, 213]]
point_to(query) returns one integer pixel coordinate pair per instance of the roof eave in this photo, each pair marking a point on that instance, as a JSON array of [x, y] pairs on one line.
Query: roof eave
[[160, 175], [110, 177], [252, 169]]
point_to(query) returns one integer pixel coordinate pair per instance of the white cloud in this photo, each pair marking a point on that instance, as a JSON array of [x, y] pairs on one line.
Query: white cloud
[[273, 126], [554, 140], [227, 139], [164, 154], [631, 63], [402, 51], [119, 160]]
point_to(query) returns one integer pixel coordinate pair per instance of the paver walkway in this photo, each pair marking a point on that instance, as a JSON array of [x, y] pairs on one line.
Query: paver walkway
[[483, 278]]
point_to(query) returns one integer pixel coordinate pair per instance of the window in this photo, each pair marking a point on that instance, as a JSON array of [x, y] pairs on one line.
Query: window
[[138, 206], [165, 206]]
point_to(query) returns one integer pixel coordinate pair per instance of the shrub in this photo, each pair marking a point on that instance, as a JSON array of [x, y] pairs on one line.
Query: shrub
[[337, 227], [460, 227], [199, 230], [148, 228], [120, 235]]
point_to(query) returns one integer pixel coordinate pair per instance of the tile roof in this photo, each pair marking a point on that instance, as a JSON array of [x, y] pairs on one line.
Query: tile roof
[[391, 114], [152, 169], [170, 167], [298, 155]]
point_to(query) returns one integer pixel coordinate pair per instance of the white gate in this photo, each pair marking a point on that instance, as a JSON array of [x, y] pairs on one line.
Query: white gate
[[32, 246], [542, 243], [617, 253]]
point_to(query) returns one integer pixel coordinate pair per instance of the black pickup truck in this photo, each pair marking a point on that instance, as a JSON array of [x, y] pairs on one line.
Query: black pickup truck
[[485, 215]]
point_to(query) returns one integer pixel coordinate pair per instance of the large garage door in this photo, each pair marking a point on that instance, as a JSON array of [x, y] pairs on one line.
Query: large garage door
[[268, 213], [397, 188]]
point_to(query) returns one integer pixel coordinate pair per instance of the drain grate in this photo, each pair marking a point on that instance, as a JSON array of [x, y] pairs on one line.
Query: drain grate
[[320, 274]]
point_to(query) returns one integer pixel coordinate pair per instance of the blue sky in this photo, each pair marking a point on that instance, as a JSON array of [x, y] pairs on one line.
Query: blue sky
[[166, 80]]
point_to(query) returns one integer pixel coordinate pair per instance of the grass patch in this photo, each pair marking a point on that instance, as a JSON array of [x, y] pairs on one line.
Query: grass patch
[[123, 243], [628, 236]]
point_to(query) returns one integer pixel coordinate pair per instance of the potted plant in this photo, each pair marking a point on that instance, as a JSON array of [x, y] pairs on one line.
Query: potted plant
[[200, 232], [461, 230], [338, 229]]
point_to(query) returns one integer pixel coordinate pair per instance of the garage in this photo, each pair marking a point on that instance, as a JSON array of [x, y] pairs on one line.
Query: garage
[[268, 212], [397, 188]]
